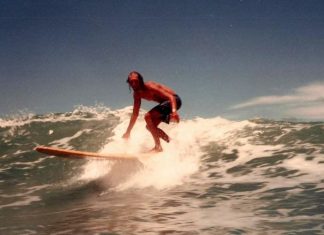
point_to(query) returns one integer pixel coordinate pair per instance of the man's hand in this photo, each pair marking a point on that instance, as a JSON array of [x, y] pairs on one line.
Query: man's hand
[[174, 117], [126, 135]]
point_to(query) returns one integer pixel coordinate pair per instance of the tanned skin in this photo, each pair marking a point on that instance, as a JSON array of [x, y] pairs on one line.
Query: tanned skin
[[156, 92]]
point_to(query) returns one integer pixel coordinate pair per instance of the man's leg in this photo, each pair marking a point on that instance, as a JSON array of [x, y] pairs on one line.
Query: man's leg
[[152, 119], [161, 133]]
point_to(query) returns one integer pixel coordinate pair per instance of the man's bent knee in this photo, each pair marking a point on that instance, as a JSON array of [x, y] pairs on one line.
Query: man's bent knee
[[152, 117], [148, 117]]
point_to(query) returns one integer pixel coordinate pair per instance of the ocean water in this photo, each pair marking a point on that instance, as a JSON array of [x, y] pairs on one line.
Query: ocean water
[[216, 176]]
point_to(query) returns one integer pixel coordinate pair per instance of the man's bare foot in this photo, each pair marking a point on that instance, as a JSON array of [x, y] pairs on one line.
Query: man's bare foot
[[156, 149], [163, 136], [166, 138]]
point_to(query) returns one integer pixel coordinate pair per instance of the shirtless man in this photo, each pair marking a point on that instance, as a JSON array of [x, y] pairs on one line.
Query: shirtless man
[[165, 111]]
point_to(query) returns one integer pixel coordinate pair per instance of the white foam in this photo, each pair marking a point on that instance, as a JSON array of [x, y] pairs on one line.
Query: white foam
[[98, 112], [64, 142], [25, 198], [93, 170], [27, 165], [180, 158], [311, 168]]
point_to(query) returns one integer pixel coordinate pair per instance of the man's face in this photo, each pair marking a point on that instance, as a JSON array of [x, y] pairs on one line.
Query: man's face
[[133, 81]]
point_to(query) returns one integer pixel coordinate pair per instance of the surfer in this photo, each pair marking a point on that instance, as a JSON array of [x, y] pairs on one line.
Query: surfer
[[165, 111]]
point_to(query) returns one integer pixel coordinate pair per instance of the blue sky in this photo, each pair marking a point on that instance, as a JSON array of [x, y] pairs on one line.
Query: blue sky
[[236, 59]]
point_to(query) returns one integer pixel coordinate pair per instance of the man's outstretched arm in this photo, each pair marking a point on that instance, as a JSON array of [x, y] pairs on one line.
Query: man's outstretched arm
[[136, 107]]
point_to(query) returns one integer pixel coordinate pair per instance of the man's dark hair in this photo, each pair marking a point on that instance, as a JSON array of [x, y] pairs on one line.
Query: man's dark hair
[[140, 78]]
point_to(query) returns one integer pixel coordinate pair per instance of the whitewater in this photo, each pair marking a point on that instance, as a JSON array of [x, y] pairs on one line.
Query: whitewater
[[216, 176]]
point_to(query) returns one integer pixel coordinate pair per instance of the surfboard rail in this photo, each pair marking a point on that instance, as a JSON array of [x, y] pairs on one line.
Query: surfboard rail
[[82, 154]]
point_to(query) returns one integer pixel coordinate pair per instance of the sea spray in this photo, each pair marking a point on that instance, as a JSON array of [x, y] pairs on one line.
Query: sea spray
[[180, 158]]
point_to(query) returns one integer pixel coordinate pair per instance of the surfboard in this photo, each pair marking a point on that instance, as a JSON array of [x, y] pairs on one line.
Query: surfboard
[[82, 154]]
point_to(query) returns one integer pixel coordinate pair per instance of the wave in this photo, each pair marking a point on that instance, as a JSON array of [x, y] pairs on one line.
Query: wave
[[215, 175], [237, 151]]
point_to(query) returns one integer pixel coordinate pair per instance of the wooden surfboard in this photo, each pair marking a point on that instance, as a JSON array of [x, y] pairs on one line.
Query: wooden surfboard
[[82, 154]]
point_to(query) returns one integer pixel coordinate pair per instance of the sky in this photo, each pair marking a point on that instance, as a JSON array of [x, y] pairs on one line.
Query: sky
[[236, 59]]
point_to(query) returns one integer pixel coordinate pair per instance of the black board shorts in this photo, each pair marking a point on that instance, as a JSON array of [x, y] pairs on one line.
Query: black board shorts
[[165, 109]]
